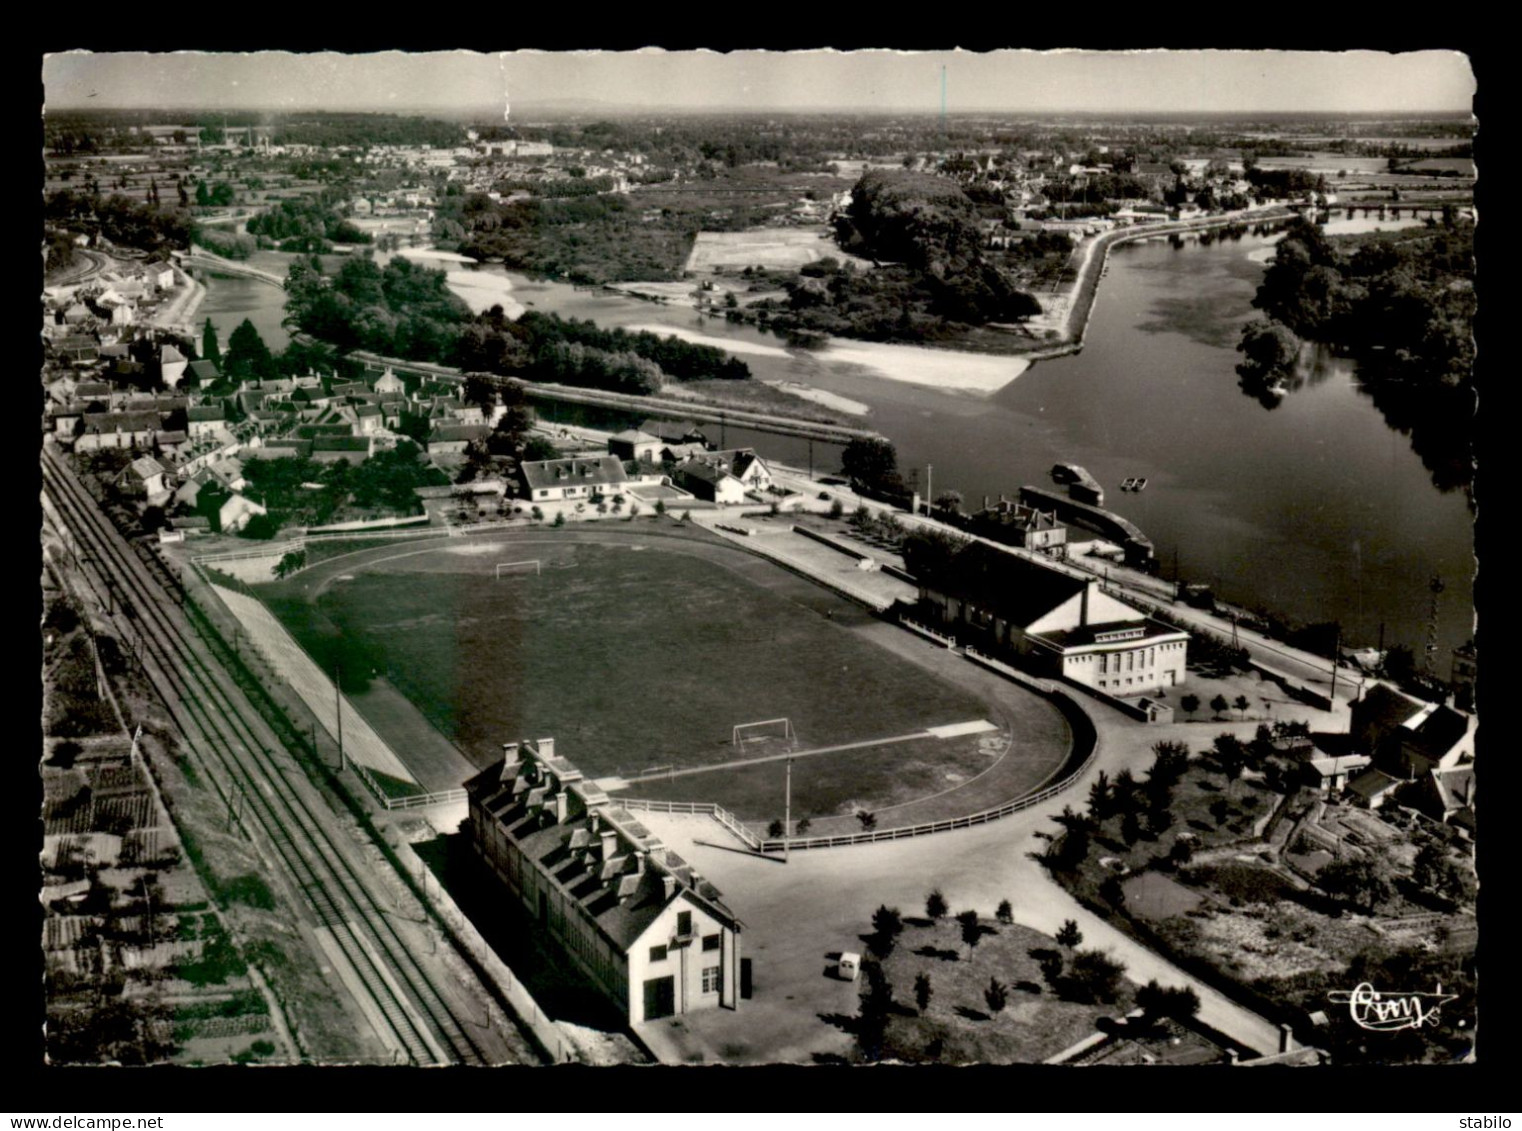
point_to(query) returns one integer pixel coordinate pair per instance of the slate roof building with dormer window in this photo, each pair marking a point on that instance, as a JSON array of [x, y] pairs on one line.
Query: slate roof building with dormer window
[[650, 933]]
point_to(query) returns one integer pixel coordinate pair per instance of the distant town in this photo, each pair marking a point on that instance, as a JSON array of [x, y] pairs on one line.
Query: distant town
[[626, 590]]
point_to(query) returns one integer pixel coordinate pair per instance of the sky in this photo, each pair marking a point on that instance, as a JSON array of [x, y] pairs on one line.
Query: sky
[[899, 81]]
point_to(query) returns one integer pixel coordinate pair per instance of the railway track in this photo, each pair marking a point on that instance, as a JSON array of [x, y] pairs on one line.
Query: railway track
[[268, 791]]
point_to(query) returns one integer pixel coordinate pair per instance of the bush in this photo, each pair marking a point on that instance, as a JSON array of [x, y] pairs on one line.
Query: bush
[[1092, 977]]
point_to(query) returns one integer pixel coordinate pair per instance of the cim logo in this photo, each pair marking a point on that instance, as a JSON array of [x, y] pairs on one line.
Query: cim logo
[[1391, 1012]]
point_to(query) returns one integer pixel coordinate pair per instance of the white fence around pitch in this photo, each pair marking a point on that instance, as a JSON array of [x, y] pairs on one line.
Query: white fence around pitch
[[928, 633], [777, 844], [702, 808]]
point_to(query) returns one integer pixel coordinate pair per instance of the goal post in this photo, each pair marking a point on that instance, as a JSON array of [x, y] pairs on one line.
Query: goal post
[[762, 731], [519, 567]]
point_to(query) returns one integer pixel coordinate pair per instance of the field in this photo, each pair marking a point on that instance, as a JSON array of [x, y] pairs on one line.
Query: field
[[636, 653], [777, 248]]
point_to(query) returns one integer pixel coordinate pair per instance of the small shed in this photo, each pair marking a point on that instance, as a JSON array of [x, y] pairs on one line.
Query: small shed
[[850, 965]]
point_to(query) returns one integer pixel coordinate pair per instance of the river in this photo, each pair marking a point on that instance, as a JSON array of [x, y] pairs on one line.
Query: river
[[1316, 509]]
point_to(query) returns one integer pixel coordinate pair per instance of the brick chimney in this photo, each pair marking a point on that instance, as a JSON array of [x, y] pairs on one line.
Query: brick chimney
[[561, 802], [668, 881], [546, 748], [1286, 1038], [609, 843]]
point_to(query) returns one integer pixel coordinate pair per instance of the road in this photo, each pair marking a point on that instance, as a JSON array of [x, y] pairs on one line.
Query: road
[[417, 1008]]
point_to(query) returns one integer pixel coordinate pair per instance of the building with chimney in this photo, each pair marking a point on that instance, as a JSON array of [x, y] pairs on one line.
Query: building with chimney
[[639, 921], [1057, 624]]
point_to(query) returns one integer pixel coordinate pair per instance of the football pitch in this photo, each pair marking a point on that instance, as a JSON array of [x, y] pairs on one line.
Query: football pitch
[[639, 653]]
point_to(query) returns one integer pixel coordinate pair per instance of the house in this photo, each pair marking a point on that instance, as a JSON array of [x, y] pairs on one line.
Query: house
[[235, 513], [78, 348], [1017, 524], [389, 384], [723, 477], [170, 443], [116, 430], [680, 453], [274, 449], [1061, 625], [160, 274], [558, 479], [205, 420], [673, 431], [1330, 773], [1373, 788], [648, 931], [145, 476], [1463, 674], [331, 449], [1448, 796], [455, 437], [1407, 737], [709, 482], [205, 372], [171, 365], [368, 419], [632, 444]]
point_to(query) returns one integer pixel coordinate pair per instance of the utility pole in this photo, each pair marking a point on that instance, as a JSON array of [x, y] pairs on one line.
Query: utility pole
[[787, 814], [338, 704], [930, 467], [1336, 648]]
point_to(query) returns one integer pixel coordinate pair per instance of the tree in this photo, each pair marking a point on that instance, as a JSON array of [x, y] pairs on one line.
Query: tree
[[775, 830], [247, 355], [949, 501], [972, 930], [922, 991], [804, 826], [1177, 1002], [1219, 704], [887, 925], [559, 519], [870, 461], [1435, 870], [996, 995], [836, 509], [210, 349], [1093, 977], [1230, 755], [1241, 703], [660, 507], [1004, 912], [479, 391], [1069, 936], [1190, 703], [1101, 797], [935, 904], [1363, 881], [868, 820], [290, 563], [1170, 760], [1130, 827], [876, 1004]]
